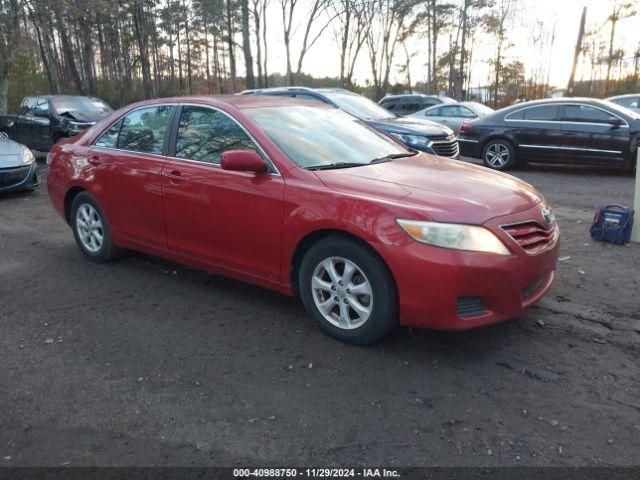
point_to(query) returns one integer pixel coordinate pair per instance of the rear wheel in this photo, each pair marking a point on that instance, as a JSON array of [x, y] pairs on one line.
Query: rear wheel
[[499, 155], [91, 229], [348, 291]]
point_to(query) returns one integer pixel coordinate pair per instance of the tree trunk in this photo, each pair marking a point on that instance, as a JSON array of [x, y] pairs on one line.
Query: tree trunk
[[256, 26], [232, 56], [246, 45], [67, 52], [143, 41]]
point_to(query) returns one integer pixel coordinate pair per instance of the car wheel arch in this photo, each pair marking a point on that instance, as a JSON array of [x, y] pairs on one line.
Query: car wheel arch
[[306, 242], [498, 137], [70, 196]]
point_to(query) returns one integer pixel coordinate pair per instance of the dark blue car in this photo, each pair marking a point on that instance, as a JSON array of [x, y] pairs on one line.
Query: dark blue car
[[419, 134]]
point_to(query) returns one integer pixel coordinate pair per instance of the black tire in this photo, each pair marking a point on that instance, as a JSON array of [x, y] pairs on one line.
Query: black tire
[[383, 315], [107, 251], [496, 146]]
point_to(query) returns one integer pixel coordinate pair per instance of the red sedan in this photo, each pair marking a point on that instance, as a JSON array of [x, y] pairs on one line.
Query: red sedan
[[305, 199]]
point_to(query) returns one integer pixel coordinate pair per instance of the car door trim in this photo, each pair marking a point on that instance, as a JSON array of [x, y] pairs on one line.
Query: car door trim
[[507, 119], [580, 149]]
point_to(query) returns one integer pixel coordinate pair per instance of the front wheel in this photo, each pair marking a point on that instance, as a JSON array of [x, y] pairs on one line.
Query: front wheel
[[91, 229], [348, 291], [499, 155]]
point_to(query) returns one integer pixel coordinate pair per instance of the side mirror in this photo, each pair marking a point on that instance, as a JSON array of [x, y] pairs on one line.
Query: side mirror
[[615, 121], [243, 161]]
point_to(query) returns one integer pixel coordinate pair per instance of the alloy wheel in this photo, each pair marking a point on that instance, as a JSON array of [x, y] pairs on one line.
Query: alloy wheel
[[342, 293], [497, 155], [89, 227]]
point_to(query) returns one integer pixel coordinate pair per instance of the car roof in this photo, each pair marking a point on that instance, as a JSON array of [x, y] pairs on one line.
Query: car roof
[[626, 95], [237, 101]]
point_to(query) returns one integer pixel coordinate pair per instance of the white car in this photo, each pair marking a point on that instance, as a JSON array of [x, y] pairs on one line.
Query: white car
[[18, 167], [453, 114]]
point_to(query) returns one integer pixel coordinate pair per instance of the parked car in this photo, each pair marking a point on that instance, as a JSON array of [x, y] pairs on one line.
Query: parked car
[[631, 101], [44, 120], [422, 135], [565, 130], [305, 199], [454, 114], [18, 167], [407, 104]]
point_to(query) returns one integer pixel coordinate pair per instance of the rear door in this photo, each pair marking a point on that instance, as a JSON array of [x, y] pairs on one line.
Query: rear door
[[538, 133], [127, 174]]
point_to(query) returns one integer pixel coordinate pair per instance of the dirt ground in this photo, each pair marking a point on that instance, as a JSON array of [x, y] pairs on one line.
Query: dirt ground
[[143, 362]]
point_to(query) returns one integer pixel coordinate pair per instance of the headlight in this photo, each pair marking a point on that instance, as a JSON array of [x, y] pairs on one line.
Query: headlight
[[416, 140], [451, 235], [27, 157]]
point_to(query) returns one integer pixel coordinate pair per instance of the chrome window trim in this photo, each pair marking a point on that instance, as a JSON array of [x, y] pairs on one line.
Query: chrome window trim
[[167, 157], [581, 149], [276, 172], [93, 143], [564, 104]]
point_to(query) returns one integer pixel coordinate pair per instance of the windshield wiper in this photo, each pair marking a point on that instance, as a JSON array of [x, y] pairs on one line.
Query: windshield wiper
[[393, 156], [331, 166]]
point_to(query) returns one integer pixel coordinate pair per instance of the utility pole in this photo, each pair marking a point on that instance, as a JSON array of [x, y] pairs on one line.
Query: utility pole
[[577, 52]]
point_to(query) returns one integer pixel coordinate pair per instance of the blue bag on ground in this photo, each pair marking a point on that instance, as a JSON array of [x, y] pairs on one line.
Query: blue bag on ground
[[612, 223]]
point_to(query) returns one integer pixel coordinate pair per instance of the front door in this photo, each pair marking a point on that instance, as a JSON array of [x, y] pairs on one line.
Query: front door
[[225, 218], [591, 138]]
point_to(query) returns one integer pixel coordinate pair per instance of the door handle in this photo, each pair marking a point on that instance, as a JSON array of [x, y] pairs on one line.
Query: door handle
[[94, 160], [175, 176]]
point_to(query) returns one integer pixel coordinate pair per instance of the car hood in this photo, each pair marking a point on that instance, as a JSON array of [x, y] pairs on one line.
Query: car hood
[[88, 117], [447, 190], [410, 126], [11, 153]]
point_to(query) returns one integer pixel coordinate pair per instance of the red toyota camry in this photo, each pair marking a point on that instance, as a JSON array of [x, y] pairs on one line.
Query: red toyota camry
[[305, 199]]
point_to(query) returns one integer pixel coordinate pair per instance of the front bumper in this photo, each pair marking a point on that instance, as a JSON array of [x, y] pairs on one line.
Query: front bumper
[[19, 178], [454, 290]]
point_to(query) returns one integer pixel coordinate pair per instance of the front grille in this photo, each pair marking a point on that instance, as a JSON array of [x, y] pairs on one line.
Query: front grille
[[11, 176], [446, 149], [471, 306], [531, 236]]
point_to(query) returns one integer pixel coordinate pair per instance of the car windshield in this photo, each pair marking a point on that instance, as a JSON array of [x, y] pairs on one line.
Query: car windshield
[[315, 137], [359, 106], [620, 109], [85, 105]]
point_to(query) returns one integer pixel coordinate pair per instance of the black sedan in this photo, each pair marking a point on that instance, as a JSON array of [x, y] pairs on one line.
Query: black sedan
[[559, 131]]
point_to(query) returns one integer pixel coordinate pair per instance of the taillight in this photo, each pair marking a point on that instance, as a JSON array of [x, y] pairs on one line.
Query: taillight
[[466, 128]]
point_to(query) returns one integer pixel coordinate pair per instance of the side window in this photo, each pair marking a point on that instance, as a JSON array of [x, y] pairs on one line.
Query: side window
[[205, 133], [434, 112], [42, 108], [28, 104], [517, 115], [143, 130], [586, 114], [109, 139], [389, 105], [629, 102], [543, 112], [467, 112], [451, 111]]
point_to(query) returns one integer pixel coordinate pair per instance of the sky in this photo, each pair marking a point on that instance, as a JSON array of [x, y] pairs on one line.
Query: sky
[[534, 20]]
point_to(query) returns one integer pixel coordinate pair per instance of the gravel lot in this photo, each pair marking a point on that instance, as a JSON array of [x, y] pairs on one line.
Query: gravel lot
[[144, 362]]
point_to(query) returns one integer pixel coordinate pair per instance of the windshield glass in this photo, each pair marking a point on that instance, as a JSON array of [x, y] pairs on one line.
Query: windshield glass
[[359, 106], [313, 136], [84, 105]]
